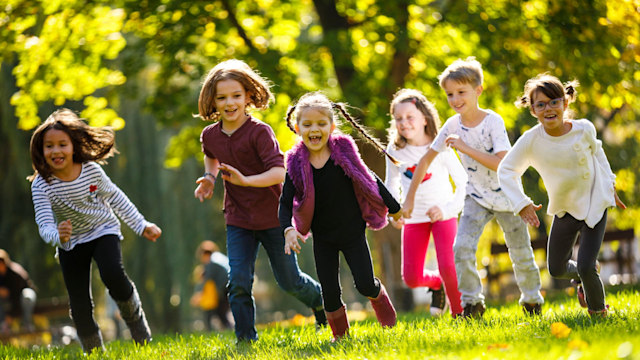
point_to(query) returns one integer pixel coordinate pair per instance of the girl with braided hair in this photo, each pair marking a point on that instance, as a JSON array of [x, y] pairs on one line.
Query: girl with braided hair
[[329, 191]]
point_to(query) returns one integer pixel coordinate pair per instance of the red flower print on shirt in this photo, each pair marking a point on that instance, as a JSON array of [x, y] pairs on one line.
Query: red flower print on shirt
[[92, 188], [410, 170]]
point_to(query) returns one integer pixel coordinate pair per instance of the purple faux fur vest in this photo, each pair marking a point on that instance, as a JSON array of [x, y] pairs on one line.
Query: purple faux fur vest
[[346, 155]]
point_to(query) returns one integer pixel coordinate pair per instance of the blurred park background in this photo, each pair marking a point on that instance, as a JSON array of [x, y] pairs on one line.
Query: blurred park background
[[138, 65]]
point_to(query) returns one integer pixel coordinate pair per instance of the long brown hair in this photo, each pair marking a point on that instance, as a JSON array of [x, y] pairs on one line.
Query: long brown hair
[[89, 143], [257, 87], [423, 105]]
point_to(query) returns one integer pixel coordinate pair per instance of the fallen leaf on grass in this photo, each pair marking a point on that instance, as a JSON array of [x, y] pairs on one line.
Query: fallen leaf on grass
[[577, 344], [560, 330], [498, 346]]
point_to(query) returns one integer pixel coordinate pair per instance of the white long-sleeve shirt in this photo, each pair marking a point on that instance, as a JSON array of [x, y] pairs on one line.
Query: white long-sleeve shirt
[[91, 202], [436, 190], [573, 167]]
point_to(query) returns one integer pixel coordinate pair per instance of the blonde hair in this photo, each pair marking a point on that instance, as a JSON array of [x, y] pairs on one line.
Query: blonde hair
[[423, 105], [89, 143], [257, 87], [467, 71], [551, 87], [318, 101]]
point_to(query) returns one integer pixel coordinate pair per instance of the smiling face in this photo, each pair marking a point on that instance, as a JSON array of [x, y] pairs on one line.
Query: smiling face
[[410, 123], [58, 152], [231, 101], [315, 126], [551, 118], [462, 97]]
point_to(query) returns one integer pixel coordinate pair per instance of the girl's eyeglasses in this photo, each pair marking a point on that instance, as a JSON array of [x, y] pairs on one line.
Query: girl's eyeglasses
[[539, 106]]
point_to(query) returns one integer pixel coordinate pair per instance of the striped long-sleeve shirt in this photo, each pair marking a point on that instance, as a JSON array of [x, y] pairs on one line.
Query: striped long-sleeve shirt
[[91, 202]]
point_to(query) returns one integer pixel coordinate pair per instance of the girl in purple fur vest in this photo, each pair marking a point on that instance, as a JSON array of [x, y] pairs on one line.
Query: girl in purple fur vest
[[329, 191]]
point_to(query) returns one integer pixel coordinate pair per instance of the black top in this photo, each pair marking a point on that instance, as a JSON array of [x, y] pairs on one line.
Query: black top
[[336, 211]]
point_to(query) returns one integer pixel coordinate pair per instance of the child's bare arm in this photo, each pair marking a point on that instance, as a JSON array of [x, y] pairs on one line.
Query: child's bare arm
[[273, 176], [418, 175], [490, 161]]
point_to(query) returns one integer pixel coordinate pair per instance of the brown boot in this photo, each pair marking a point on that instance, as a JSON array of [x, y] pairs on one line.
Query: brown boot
[[338, 322], [383, 308]]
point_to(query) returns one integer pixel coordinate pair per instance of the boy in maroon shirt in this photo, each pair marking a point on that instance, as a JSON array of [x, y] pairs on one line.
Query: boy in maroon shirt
[[246, 152]]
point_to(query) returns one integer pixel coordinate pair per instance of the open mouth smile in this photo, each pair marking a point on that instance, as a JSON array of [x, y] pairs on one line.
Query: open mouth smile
[[57, 160], [315, 139]]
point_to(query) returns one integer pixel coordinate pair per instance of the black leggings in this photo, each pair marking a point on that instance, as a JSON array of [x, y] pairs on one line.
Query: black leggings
[[76, 270], [562, 238], [358, 256]]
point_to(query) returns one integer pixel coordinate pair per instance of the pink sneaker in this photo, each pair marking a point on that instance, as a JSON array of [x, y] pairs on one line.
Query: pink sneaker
[[581, 299], [580, 292], [600, 313]]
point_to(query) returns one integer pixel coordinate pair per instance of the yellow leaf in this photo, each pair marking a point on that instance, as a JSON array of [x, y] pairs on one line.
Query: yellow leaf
[[560, 330], [577, 344]]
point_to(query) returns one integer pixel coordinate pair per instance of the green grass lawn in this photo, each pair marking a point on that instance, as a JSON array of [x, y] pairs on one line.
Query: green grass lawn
[[564, 331]]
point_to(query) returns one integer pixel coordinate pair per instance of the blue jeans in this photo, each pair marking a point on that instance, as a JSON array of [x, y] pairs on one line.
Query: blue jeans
[[242, 250]]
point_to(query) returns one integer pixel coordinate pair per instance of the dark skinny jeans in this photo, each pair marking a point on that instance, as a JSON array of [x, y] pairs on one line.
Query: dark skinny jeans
[[358, 256], [76, 270], [562, 238]]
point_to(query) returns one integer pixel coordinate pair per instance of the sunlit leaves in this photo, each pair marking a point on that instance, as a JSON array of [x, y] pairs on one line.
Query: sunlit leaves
[[63, 57]]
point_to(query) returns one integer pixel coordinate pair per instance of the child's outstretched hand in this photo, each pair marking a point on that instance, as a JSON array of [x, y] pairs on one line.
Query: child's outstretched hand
[[291, 241], [619, 202], [204, 189], [528, 214], [233, 175], [64, 231], [435, 213], [152, 232]]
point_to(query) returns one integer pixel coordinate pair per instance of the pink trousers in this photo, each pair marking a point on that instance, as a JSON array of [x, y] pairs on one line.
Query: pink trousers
[[415, 241]]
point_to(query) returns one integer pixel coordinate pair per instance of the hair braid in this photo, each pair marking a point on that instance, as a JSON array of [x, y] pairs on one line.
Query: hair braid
[[375, 142], [289, 116]]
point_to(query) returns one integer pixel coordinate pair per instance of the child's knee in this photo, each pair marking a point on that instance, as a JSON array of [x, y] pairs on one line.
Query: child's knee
[[586, 269], [411, 280], [367, 289], [557, 270], [522, 255]]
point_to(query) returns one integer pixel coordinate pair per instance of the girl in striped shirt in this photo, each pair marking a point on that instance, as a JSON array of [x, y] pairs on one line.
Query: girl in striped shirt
[[76, 206]]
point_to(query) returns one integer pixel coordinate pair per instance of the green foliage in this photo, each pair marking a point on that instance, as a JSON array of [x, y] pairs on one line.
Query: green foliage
[[61, 50], [563, 331]]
